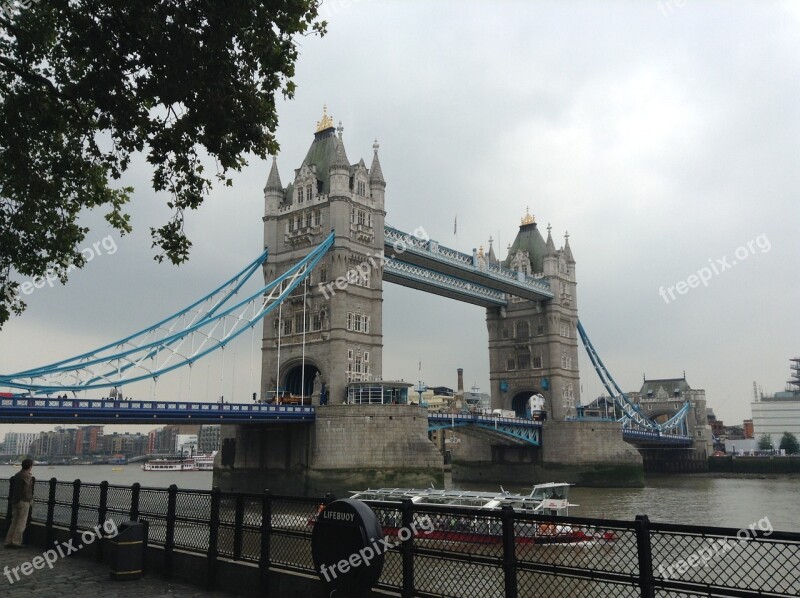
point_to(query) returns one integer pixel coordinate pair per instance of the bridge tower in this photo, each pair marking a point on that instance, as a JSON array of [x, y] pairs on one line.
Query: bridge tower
[[342, 304], [533, 345], [533, 348], [338, 315]]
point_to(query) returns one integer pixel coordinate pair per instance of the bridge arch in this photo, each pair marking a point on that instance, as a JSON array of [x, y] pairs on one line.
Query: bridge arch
[[293, 377], [519, 402]]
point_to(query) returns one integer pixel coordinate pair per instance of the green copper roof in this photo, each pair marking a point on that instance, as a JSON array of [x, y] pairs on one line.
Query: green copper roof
[[322, 153], [528, 239]]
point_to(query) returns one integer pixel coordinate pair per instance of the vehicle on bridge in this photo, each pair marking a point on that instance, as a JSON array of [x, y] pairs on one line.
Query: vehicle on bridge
[[534, 410]]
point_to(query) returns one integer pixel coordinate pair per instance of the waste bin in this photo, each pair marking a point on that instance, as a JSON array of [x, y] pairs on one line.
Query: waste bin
[[127, 550]]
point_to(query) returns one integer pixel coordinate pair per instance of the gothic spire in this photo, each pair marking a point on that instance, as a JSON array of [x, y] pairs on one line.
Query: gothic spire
[[375, 172], [491, 256], [339, 157], [551, 247], [274, 179], [567, 250]]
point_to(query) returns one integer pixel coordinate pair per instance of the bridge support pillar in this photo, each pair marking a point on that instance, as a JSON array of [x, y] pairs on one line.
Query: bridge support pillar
[[675, 460], [585, 453], [348, 447], [589, 453]]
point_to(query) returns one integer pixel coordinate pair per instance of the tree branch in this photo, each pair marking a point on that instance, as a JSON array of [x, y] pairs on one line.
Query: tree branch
[[42, 82]]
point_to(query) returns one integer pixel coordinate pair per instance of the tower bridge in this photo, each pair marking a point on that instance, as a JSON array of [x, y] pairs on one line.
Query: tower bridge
[[321, 319]]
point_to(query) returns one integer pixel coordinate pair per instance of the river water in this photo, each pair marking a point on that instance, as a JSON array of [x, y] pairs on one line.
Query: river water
[[689, 499]]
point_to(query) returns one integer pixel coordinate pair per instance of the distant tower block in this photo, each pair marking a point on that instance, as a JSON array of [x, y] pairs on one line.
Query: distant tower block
[[343, 324], [533, 345]]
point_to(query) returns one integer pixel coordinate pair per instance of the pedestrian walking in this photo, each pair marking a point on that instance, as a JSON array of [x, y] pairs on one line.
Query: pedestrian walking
[[21, 498]]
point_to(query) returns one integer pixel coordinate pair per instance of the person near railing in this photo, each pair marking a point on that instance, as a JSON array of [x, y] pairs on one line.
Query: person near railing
[[21, 492]]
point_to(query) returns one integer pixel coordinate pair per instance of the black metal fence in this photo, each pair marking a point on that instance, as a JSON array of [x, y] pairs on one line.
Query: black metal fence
[[464, 555]]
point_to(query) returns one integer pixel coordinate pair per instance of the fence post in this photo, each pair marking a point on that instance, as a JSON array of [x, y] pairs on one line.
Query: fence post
[[266, 535], [406, 548], [169, 539], [509, 551], [76, 501], [27, 533], [135, 490], [646, 582], [102, 511], [238, 525], [8, 510], [51, 512], [213, 537]]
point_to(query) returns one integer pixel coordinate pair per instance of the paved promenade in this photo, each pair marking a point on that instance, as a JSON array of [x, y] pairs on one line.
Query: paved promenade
[[75, 576]]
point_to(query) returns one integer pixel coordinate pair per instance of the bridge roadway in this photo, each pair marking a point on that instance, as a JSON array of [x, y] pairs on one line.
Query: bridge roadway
[[112, 411]]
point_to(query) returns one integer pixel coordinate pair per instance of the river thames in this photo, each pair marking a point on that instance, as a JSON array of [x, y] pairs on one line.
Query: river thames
[[694, 499]]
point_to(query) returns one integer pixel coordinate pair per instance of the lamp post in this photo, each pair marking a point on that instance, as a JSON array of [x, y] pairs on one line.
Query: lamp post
[[420, 389]]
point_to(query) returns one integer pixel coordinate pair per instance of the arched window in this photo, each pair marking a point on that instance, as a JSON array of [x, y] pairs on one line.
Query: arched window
[[521, 329]]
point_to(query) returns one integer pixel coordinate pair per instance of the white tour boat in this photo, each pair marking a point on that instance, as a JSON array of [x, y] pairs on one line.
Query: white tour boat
[[194, 463], [545, 499]]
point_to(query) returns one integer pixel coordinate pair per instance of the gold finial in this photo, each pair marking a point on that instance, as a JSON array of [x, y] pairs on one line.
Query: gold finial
[[528, 218], [326, 122], [480, 251]]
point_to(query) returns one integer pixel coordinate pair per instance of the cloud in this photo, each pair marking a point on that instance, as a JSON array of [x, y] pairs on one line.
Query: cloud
[[656, 142]]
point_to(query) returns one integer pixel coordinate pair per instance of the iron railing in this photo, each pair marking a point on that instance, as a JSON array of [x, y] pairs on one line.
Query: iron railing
[[494, 554]]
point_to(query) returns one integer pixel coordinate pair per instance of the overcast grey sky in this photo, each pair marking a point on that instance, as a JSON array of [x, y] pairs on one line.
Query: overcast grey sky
[[664, 138]]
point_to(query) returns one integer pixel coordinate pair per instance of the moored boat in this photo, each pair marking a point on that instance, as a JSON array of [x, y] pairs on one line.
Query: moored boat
[[204, 462], [549, 499], [194, 463]]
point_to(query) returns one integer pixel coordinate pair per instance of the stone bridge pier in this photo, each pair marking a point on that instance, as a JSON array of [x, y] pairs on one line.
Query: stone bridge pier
[[584, 453], [348, 447]]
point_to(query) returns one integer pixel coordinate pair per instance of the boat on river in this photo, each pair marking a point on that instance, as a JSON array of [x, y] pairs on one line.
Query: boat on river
[[195, 463], [549, 499]]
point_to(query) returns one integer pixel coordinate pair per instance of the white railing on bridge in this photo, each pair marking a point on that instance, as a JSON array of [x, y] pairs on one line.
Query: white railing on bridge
[[655, 435], [484, 419], [444, 281], [151, 405]]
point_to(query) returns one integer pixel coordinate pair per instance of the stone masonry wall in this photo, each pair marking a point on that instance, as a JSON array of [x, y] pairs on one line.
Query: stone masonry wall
[[373, 436], [576, 443]]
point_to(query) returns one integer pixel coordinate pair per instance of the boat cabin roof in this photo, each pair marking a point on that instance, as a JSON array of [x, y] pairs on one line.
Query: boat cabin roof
[[539, 498]]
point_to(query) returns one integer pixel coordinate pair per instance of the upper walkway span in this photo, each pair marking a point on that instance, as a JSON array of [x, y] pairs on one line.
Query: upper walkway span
[[427, 266]]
